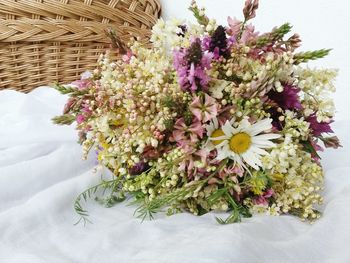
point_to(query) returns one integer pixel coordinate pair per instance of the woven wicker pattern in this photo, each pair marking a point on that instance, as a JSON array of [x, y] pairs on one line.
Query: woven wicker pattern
[[42, 41]]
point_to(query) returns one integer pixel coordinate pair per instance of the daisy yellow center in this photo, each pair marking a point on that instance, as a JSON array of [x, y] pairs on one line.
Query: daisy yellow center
[[240, 142], [215, 134]]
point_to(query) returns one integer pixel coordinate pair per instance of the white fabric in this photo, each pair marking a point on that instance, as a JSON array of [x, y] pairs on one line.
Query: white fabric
[[41, 173]]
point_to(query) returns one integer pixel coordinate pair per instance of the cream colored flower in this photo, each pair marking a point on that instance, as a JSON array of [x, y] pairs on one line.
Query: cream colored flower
[[217, 89]]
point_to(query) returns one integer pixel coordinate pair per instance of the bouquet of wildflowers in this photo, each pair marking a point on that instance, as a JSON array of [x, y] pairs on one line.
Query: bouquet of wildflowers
[[208, 117]]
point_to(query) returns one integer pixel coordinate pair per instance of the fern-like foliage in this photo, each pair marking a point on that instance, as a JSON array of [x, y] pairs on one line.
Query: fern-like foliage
[[66, 89], [149, 207], [109, 201], [275, 35]]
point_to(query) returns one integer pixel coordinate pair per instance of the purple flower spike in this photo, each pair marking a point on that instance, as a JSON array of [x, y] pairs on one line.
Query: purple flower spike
[[218, 43], [191, 65]]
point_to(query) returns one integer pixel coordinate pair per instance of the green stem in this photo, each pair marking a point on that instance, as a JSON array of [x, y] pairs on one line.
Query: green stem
[[241, 29]]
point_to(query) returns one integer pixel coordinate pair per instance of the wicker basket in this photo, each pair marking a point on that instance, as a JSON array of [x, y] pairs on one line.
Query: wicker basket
[[42, 41]]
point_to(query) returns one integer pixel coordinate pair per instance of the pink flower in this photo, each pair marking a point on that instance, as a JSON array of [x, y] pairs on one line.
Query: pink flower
[[188, 163], [127, 57], [206, 41], [218, 43], [249, 9], [80, 118], [234, 26], [203, 154], [233, 170], [238, 170], [82, 84], [86, 108], [269, 193], [248, 34], [316, 146], [204, 110], [263, 199], [187, 135], [69, 105]]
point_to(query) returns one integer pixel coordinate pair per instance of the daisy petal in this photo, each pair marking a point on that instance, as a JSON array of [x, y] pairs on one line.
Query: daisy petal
[[228, 129], [215, 122], [263, 144], [221, 156], [251, 159], [244, 125], [223, 144], [260, 126], [270, 136], [257, 150]]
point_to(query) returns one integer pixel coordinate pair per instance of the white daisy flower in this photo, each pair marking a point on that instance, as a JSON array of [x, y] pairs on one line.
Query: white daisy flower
[[242, 142], [213, 131]]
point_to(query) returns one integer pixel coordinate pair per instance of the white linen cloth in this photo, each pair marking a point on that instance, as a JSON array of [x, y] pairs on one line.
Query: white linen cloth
[[41, 173]]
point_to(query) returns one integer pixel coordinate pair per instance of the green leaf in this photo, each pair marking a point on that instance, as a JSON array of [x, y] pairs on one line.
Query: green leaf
[[169, 102], [201, 210], [307, 146], [234, 217], [214, 197], [237, 212]]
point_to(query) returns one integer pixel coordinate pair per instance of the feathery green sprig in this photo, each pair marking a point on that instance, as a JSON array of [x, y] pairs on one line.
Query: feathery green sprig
[[150, 207], [65, 119], [66, 89], [303, 57], [276, 35], [91, 192], [281, 31], [198, 13]]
